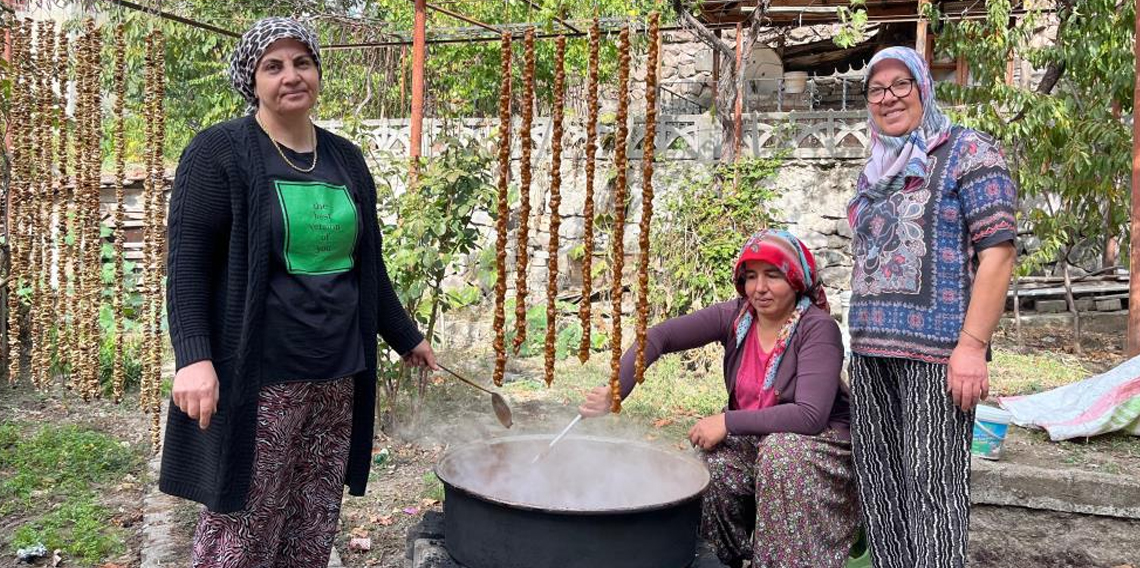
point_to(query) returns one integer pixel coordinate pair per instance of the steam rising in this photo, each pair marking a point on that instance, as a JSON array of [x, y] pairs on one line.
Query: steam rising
[[580, 474]]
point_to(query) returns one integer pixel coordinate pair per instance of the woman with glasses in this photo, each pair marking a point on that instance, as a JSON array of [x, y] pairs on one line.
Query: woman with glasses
[[933, 223]]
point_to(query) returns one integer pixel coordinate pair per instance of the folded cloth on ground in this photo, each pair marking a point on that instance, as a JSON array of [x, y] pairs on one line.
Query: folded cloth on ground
[[1107, 402]]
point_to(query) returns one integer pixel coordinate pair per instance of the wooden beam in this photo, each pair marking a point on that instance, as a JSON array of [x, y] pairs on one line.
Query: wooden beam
[[459, 17], [1134, 246], [920, 34]]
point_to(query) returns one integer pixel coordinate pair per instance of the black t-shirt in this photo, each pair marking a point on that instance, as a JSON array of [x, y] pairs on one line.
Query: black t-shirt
[[312, 328]]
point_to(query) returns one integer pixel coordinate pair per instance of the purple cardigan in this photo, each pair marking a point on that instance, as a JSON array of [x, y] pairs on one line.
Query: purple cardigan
[[810, 397]]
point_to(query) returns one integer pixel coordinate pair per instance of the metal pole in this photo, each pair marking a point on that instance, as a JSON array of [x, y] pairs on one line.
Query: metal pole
[[419, 48], [1134, 234]]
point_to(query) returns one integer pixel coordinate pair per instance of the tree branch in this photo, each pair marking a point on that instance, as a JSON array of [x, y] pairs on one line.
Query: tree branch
[[702, 32], [1055, 69]]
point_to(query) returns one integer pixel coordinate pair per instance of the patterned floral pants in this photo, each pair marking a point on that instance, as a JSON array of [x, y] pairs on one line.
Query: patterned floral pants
[[291, 514], [782, 501], [912, 453]]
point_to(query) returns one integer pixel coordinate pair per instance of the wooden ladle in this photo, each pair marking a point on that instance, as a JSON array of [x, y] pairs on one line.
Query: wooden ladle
[[498, 403]]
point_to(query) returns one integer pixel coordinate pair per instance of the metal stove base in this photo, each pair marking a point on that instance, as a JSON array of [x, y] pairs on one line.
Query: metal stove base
[[426, 547]]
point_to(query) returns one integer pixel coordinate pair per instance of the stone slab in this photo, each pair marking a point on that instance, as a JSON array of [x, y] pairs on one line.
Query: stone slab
[[1111, 305], [1051, 306], [1064, 490]]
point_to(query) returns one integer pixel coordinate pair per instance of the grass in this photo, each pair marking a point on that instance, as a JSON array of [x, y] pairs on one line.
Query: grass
[[1013, 373], [51, 478], [433, 487]]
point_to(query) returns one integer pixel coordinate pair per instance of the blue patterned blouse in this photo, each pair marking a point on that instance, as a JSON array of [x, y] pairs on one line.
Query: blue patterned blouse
[[916, 251]]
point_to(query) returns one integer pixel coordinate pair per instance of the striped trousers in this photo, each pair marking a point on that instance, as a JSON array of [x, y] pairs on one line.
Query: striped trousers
[[911, 447]]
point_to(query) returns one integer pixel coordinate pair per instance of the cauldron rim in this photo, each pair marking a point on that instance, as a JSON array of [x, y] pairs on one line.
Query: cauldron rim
[[448, 483]]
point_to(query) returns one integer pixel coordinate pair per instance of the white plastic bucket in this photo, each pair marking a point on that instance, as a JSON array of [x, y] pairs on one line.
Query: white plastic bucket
[[990, 426], [795, 82]]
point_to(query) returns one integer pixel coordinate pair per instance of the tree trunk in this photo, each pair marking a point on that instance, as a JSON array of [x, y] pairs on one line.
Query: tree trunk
[[1016, 308], [1072, 303], [730, 78]]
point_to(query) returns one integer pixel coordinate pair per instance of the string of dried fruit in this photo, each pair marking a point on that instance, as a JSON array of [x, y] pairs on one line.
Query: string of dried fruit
[[145, 199], [501, 221], [35, 190], [92, 239], [588, 208], [156, 221], [69, 250], [17, 191], [522, 247], [618, 237], [60, 201], [555, 203], [77, 222], [118, 371], [42, 297], [648, 148]]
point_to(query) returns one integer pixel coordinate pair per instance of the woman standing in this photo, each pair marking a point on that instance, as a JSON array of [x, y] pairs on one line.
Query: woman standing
[[782, 489], [933, 223], [276, 293]]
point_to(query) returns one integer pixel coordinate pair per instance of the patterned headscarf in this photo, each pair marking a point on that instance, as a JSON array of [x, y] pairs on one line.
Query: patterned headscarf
[[900, 162], [784, 251], [254, 42]]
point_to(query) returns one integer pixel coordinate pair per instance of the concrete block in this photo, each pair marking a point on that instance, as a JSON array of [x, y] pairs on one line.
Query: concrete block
[[1085, 305], [1109, 305], [1051, 306]]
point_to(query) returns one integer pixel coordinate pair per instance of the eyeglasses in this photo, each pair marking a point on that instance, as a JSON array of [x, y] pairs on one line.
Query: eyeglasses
[[900, 89]]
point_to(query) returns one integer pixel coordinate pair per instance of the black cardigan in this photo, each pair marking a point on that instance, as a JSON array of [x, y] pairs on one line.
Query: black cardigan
[[218, 266]]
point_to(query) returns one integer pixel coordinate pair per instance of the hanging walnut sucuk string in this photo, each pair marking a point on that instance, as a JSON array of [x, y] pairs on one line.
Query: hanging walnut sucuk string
[[588, 208], [647, 153], [617, 254], [118, 217], [555, 204], [17, 190], [522, 245], [503, 212], [158, 221], [146, 199]]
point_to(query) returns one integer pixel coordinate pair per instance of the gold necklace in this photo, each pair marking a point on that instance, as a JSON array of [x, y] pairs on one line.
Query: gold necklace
[[282, 152]]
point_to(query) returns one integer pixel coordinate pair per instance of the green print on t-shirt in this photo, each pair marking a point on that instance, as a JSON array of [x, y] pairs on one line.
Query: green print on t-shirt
[[320, 227]]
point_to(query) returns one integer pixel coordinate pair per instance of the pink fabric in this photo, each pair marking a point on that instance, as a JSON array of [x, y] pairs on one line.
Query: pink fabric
[[750, 391]]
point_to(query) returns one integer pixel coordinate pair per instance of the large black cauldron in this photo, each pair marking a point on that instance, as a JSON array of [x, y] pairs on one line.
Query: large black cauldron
[[590, 503]]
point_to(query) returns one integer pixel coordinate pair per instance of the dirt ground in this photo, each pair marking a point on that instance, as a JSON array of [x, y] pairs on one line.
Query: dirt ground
[[124, 422], [402, 487]]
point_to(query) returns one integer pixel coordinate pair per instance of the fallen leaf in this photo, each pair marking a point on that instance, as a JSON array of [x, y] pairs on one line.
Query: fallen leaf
[[429, 502], [112, 565], [359, 532], [360, 544], [662, 422], [386, 520]]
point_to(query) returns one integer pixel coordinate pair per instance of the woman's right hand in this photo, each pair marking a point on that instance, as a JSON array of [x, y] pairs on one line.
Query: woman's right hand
[[597, 403], [195, 391]]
